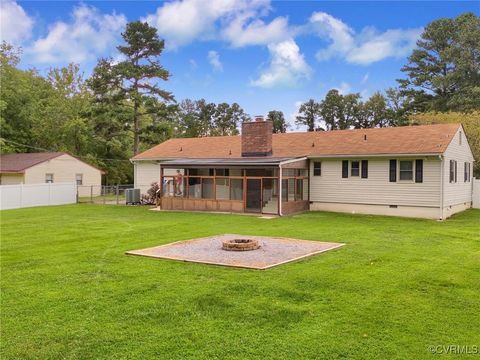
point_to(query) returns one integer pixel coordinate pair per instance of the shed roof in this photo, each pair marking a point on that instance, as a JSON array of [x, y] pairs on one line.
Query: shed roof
[[424, 139], [19, 162]]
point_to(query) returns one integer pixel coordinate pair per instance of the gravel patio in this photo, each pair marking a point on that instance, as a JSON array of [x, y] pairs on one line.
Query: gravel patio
[[273, 251]]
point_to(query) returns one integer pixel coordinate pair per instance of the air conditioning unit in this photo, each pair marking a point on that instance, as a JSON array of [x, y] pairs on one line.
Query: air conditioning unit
[[132, 196]]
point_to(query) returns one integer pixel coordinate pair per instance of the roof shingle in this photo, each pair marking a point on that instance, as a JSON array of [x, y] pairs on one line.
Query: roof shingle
[[424, 139], [17, 163]]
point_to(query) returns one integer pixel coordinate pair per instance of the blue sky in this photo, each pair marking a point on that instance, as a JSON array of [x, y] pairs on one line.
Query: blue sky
[[264, 55]]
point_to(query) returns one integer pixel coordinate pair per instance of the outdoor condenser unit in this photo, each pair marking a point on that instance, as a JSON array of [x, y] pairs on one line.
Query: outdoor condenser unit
[[132, 196]]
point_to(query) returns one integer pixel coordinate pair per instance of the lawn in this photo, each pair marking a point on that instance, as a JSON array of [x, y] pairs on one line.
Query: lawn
[[398, 287]]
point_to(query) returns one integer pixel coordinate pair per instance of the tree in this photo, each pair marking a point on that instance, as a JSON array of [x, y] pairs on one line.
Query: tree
[[376, 111], [339, 111], [133, 82], [470, 122], [443, 72], [278, 120], [227, 118], [398, 105], [309, 113]]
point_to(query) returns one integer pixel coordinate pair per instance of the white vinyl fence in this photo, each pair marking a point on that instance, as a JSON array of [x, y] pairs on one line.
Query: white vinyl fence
[[20, 196], [476, 194]]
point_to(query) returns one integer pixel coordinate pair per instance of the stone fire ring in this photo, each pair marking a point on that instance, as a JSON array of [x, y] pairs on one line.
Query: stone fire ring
[[240, 244]]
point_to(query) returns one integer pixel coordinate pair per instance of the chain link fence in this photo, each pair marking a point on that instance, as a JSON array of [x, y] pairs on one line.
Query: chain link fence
[[102, 194]]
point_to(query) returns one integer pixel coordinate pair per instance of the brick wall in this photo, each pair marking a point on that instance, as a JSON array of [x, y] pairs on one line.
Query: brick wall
[[257, 138]]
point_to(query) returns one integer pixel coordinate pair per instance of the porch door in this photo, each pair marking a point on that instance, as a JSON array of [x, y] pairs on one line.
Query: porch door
[[254, 195]]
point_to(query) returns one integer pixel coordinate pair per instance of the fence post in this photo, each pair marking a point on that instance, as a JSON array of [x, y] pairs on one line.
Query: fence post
[[91, 194], [102, 189], [117, 193]]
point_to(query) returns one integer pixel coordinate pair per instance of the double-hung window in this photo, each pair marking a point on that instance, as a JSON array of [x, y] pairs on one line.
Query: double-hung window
[[466, 172], [406, 170], [79, 179], [317, 168], [355, 168], [453, 171]]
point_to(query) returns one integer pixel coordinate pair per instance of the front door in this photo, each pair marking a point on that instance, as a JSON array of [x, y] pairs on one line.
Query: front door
[[254, 195]]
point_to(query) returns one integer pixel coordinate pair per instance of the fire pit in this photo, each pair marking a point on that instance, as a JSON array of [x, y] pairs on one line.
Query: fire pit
[[240, 245]]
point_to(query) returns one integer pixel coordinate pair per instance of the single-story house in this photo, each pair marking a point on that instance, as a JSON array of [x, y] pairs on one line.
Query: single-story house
[[414, 171], [50, 167]]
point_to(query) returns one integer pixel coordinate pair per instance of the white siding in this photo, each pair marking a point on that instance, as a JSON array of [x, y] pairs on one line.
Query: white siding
[[145, 174], [330, 187], [459, 192], [64, 169]]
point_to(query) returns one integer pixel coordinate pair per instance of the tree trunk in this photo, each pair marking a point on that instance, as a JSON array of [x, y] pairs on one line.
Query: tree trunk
[[136, 129]]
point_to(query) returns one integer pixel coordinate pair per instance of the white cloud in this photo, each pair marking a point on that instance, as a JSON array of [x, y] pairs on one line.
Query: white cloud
[[287, 66], [89, 34], [364, 48], [377, 46], [214, 59], [15, 24], [339, 34], [245, 31], [344, 88], [182, 21]]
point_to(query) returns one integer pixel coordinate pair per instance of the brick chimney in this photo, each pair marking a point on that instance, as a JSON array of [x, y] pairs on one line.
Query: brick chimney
[[257, 137]]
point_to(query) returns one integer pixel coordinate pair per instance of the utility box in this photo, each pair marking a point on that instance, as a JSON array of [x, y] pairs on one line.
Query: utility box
[[132, 196]]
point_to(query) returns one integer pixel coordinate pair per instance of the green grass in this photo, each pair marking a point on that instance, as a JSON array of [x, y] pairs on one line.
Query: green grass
[[398, 286]]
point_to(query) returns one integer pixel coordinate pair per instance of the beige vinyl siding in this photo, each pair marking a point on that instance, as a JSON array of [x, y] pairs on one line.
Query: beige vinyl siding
[[377, 189], [146, 173], [64, 169], [11, 179], [459, 192]]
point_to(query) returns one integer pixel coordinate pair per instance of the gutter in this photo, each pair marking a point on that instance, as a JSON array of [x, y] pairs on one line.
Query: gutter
[[371, 155]]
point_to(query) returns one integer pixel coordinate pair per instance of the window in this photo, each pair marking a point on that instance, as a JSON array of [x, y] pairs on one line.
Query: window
[[79, 179], [222, 172], [406, 170], [460, 138], [453, 171], [355, 168], [317, 168], [466, 172], [49, 178]]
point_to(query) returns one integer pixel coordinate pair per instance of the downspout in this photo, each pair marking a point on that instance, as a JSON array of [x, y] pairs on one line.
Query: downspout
[[280, 190], [442, 166]]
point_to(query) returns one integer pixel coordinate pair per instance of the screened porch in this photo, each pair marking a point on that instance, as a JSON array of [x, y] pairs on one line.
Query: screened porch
[[243, 185]]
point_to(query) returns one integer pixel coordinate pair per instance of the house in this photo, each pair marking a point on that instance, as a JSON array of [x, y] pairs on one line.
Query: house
[[416, 171], [50, 167]]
